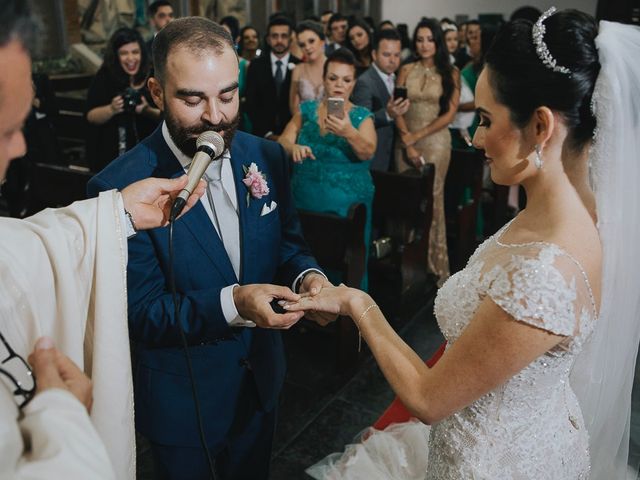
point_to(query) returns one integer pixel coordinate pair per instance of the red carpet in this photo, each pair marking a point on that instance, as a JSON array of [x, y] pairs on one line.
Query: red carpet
[[397, 412]]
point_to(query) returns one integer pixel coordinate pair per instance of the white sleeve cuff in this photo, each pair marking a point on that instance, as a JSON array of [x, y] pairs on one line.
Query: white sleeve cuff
[[389, 119], [229, 309], [297, 283], [125, 225]]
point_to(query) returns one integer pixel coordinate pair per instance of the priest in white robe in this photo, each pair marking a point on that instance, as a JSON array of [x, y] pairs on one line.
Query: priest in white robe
[[63, 275]]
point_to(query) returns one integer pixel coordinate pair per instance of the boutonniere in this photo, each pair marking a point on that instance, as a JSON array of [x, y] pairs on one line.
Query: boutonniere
[[256, 182], [291, 65]]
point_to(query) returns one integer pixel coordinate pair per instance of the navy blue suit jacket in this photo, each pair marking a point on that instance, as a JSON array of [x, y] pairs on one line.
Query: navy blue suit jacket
[[272, 251]]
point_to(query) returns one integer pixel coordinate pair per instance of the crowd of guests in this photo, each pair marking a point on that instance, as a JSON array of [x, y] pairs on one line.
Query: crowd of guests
[[341, 95], [349, 104]]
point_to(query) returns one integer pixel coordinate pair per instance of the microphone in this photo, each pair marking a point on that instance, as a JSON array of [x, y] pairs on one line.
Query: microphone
[[210, 146]]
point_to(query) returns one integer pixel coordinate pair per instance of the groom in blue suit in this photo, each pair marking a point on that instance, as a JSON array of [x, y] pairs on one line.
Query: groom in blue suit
[[236, 252]]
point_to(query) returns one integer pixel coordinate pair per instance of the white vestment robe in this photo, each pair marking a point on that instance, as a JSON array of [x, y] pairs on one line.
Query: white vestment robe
[[63, 274]]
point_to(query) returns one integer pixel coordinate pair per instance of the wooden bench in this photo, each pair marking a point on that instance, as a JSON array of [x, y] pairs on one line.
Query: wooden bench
[[402, 211], [337, 243], [71, 127], [462, 191], [56, 186], [498, 212], [71, 82]]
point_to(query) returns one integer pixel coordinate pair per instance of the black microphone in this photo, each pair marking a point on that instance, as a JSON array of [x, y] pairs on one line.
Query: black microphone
[[210, 146]]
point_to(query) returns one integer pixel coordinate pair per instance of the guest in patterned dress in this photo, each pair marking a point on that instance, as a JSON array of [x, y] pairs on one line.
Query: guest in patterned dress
[[331, 155], [433, 87], [306, 79]]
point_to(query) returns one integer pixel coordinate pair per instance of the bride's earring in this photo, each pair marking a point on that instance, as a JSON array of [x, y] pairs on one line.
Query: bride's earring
[[538, 159]]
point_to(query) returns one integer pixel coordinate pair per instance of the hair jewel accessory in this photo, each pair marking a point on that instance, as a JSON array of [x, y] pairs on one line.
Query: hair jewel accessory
[[449, 27], [541, 48]]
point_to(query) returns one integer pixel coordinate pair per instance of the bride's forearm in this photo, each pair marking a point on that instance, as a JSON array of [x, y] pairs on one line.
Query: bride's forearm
[[401, 366]]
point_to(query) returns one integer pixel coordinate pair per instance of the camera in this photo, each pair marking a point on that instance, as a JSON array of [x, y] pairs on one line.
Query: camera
[[132, 98]]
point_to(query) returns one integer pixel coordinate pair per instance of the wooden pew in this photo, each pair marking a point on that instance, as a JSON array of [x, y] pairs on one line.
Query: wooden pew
[[462, 191], [56, 186], [71, 127], [402, 211], [338, 245], [71, 82], [498, 208], [70, 124]]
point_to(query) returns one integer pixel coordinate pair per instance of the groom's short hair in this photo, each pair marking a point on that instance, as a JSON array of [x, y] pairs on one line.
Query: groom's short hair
[[196, 34]]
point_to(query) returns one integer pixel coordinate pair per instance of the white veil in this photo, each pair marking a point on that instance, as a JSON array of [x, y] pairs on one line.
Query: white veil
[[603, 374]]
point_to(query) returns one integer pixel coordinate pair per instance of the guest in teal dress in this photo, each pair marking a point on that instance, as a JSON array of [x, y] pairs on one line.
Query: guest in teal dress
[[331, 155]]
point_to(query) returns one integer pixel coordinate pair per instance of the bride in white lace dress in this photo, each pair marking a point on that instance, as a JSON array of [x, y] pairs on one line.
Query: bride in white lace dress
[[517, 317]]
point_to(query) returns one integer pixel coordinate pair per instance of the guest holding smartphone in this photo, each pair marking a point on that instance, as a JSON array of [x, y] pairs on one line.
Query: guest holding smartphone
[[331, 143], [376, 90], [433, 87]]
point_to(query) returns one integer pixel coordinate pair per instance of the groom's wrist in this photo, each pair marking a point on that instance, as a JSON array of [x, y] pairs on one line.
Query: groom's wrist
[[297, 283]]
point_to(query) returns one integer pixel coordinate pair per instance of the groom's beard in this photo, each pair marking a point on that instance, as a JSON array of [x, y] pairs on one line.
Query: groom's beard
[[185, 137]]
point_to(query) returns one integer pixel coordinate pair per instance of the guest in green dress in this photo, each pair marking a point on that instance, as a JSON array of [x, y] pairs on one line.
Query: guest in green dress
[[331, 155]]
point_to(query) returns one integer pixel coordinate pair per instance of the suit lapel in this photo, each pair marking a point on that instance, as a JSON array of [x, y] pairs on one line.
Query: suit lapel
[[249, 215], [196, 221], [382, 88], [268, 74]]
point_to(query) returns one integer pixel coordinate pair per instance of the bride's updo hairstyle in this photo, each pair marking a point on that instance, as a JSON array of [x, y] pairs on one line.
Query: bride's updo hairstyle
[[522, 82]]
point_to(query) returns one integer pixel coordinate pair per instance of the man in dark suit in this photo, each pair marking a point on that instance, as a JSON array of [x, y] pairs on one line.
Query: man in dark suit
[[160, 13], [229, 249], [374, 90], [269, 81], [337, 26]]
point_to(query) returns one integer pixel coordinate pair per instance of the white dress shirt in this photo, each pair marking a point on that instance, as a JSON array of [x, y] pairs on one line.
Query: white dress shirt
[[285, 64], [389, 80], [227, 304]]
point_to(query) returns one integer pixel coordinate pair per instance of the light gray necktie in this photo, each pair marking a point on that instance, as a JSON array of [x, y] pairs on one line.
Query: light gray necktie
[[224, 214], [391, 83]]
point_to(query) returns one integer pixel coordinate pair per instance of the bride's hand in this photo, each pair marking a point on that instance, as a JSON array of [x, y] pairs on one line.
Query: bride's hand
[[340, 300]]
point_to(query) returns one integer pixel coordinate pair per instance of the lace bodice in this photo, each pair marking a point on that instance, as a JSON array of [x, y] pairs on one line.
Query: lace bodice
[[531, 427]]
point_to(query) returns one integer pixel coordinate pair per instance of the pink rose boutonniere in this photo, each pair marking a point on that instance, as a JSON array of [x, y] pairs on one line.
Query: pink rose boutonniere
[[255, 181]]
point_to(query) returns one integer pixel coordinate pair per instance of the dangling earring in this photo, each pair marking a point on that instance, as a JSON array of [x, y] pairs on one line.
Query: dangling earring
[[538, 159]]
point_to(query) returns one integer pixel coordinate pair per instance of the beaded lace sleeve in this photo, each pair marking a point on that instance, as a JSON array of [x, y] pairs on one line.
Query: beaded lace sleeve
[[542, 286]]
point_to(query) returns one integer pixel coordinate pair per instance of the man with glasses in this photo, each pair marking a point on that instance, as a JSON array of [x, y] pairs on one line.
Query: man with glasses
[[62, 274]]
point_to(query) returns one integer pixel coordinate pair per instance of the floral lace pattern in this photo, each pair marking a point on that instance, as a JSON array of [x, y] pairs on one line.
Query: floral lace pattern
[[530, 427]]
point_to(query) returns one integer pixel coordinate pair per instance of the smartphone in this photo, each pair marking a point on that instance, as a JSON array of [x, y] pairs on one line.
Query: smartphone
[[400, 92], [335, 106]]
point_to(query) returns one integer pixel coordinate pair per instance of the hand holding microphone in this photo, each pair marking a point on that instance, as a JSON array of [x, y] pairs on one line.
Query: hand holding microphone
[[149, 201], [210, 146]]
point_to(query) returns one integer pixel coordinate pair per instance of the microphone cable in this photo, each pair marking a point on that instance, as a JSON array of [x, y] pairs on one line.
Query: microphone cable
[[185, 346]]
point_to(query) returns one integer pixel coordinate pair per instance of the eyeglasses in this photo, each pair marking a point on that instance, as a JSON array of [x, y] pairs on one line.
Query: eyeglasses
[[14, 369]]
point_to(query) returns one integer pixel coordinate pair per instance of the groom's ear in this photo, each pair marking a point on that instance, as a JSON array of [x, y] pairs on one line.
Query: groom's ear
[[156, 91]]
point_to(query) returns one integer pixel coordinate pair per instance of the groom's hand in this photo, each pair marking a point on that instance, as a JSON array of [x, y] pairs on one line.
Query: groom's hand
[[312, 285], [253, 302]]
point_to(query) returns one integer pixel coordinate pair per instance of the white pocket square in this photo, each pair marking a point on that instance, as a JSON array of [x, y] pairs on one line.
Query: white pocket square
[[267, 209]]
